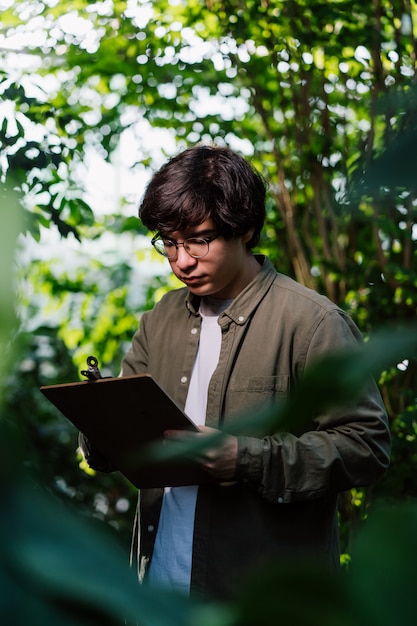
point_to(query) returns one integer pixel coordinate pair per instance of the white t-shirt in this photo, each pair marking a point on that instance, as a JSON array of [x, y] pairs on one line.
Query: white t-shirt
[[171, 561]]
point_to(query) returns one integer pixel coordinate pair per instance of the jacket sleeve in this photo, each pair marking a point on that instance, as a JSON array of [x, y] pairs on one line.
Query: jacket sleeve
[[347, 447], [136, 359]]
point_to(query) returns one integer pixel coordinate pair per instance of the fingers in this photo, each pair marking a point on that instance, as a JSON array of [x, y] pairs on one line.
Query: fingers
[[178, 434], [219, 460], [204, 455]]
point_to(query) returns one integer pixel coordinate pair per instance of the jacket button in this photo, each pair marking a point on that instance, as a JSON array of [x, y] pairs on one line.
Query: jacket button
[[241, 318], [151, 528], [194, 331], [184, 379], [280, 500]]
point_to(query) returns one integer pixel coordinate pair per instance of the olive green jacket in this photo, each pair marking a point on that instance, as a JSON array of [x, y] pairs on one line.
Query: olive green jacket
[[284, 502]]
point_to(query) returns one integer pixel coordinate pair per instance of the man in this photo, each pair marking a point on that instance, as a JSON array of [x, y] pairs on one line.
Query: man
[[237, 336]]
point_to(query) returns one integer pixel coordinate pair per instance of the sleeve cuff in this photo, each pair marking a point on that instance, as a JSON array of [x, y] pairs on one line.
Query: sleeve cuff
[[250, 460]]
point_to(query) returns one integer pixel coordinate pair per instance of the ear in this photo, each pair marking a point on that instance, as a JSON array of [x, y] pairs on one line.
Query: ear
[[248, 236]]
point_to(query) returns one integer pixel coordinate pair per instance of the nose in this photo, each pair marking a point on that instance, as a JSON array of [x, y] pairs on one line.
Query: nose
[[183, 260]]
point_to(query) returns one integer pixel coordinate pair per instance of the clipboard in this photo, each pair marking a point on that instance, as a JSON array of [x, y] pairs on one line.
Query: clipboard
[[122, 417]]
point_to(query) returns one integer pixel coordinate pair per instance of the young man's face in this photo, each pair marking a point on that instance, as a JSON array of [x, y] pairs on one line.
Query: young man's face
[[226, 269]]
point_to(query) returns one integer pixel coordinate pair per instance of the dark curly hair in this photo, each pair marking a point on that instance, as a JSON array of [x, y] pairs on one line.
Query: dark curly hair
[[206, 182]]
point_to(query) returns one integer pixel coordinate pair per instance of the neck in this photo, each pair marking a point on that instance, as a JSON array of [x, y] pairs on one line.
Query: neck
[[211, 306], [252, 269]]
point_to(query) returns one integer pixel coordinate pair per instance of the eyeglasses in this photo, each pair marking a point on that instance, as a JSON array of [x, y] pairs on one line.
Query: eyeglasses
[[197, 247]]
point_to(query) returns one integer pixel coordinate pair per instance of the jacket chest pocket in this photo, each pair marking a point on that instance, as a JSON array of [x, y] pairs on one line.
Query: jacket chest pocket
[[255, 391]]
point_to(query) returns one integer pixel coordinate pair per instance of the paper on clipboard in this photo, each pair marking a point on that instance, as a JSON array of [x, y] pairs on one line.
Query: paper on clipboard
[[121, 417]]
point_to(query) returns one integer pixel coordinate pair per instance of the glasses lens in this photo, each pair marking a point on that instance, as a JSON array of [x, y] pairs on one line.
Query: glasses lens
[[165, 247], [196, 247]]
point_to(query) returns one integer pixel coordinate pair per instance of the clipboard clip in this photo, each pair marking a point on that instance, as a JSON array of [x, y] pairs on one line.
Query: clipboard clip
[[93, 371]]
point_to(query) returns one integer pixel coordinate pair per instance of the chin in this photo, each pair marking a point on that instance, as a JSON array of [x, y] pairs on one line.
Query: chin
[[200, 291]]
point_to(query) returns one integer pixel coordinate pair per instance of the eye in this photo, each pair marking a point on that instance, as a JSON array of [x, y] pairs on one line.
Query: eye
[[194, 241]]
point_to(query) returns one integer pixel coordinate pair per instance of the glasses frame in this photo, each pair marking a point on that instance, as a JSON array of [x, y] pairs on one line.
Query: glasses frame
[[177, 244]]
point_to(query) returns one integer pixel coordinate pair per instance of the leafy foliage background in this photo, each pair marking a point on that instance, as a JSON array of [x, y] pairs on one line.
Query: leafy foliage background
[[320, 95]]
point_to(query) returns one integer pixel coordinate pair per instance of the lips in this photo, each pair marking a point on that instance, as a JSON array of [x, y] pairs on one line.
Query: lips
[[191, 280]]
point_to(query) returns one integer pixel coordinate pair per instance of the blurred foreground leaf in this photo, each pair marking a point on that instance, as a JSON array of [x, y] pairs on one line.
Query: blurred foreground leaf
[[377, 590], [382, 579], [336, 380], [55, 568]]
